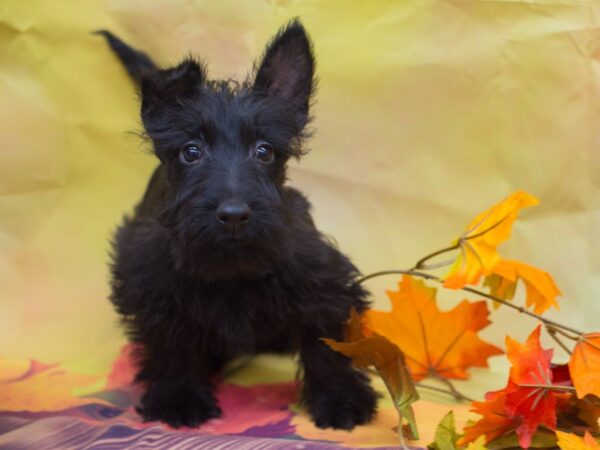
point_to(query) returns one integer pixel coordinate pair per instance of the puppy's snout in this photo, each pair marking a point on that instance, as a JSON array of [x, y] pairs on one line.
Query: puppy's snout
[[233, 215]]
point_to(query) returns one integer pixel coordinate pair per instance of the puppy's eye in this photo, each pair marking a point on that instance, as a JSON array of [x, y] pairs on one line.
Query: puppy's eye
[[264, 153], [191, 154]]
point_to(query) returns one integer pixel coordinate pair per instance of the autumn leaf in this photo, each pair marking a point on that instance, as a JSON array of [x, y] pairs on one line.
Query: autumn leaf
[[585, 365], [542, 438], [478, 243], [526, 403], [579, 414], [446, 436], [541, 290], [535, 406], [387, 359], [498, 429], [561, 375], [573, 411], [495, 420], [588, 412], [569, 441], [478, 444], [531, 364], [438, 343]]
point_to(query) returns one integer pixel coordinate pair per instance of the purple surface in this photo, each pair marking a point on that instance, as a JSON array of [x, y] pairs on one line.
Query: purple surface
[[68, 432]]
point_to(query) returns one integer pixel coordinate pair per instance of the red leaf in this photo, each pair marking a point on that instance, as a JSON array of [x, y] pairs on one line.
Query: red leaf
[[526, 402], [535, 406], [561, 375], [495, 421]]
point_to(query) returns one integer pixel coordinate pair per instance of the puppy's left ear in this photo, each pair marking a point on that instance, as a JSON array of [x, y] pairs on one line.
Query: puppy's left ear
[[287, 69]]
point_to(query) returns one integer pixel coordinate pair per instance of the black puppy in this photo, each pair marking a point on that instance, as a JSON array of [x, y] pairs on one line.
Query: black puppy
[[221, 258]]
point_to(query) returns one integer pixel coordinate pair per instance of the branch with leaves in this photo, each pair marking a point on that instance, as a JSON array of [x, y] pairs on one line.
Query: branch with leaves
[[541, 400]]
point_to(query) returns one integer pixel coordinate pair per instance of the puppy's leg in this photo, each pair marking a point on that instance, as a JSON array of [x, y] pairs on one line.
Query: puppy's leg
[[171, 356], [179, 391], [336, 395]]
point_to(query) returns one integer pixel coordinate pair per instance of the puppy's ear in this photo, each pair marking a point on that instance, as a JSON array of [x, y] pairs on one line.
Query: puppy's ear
[[287, 69], [164, 88]]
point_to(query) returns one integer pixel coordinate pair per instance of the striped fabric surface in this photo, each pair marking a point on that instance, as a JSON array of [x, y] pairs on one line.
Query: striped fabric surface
[[63, 432], [44, 406]]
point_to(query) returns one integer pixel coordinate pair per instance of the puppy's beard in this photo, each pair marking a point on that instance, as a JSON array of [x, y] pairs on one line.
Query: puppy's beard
[[228, 258]]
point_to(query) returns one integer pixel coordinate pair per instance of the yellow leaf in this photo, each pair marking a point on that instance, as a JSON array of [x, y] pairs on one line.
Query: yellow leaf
[[479, 444], [541, 290], [478, 243], [569, 441]]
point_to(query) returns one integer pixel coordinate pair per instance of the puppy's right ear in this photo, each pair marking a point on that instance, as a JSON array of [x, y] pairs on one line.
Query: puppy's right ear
[[165, 88], [287, 69]]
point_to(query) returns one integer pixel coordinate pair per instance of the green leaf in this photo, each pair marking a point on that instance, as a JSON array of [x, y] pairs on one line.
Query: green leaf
[[445, 434], [401, 386]]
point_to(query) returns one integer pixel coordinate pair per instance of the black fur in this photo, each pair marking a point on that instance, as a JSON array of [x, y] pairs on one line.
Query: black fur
[[137, 63], [192, 293]]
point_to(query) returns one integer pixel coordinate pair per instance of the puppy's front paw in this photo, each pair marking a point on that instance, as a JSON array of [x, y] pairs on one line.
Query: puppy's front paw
[[178, 406], [343, 405]]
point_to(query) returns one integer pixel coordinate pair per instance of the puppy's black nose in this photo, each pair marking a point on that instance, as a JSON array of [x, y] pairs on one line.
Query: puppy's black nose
[[233, 215]]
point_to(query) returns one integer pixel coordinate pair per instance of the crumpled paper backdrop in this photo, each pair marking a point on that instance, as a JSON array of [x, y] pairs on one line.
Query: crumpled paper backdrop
[[428, 112]]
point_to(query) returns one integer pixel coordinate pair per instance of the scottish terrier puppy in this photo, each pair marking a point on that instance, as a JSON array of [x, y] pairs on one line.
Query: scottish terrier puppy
[[221, 258]]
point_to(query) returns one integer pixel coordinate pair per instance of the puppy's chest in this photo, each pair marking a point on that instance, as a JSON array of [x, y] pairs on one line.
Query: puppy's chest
[[247, 315]]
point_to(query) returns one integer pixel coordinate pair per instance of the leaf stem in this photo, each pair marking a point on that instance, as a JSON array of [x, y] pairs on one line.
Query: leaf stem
[[481, 233], [551, 387], [401, 439], [567, 335], [437, 265], [401, 417], [397, 272], [522, 310], [460, 397], [421, 263], [455, 393], [554, 335]]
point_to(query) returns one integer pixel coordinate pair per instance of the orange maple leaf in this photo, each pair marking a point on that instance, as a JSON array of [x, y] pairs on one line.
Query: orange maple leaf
[[585, 365], [569, 441], [440, 343], [541, 290], [478, 243]]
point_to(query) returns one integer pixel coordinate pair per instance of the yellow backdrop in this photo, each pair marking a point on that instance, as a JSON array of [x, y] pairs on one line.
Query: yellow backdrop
[[428, 112]]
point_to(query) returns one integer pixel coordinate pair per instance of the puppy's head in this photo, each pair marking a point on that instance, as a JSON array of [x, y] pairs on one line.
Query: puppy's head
[[224, 149]]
